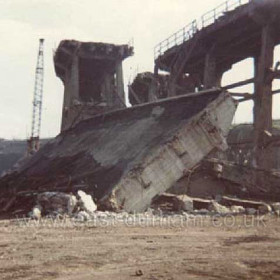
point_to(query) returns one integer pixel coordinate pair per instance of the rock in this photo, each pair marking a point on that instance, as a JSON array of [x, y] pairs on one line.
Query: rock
[[251, 211], [57, 202], [265, 209], [86, 202], [185, 203], [218, 208], [36, 212], [275, 206], [237, 209], [82, 216]]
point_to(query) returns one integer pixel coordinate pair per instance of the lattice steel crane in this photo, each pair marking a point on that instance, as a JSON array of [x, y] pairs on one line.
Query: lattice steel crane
[[33, 143]]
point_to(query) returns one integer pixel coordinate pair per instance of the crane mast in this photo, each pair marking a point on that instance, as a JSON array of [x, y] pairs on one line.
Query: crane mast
[[33, 143]]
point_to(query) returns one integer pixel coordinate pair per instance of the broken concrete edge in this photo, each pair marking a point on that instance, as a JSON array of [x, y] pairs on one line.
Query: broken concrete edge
[[115, 112], [179, 151], [208, 131]]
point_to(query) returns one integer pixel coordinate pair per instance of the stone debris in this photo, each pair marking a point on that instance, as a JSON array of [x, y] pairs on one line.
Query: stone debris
[[86, 202], [57, 203], [36, 212], [123, 173]]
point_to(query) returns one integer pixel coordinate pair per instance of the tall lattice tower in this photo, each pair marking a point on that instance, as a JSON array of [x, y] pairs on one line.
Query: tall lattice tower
[[33, 143]]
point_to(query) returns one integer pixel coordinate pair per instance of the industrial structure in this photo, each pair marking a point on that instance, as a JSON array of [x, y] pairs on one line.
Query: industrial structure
[[33, 143], [92, 75], [124, 157]]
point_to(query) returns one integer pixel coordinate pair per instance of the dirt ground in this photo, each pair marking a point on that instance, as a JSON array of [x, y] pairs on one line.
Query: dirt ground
[[213, 248]]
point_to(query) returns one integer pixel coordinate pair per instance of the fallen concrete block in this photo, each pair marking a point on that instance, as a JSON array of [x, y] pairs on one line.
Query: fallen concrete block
[[129, 156], [86, 202]]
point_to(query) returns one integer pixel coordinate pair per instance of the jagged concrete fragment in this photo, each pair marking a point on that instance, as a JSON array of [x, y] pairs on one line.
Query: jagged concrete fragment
[[129, 156], [86, 202]]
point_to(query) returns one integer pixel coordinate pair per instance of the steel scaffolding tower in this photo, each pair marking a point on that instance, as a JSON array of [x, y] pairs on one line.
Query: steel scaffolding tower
[[33, 141]]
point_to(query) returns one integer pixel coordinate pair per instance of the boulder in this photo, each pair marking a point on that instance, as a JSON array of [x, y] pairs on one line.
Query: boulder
[[86, 202]]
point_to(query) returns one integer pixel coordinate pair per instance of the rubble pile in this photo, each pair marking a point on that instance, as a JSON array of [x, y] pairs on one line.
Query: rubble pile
[[126, 157], [223, 205], [57, 203]]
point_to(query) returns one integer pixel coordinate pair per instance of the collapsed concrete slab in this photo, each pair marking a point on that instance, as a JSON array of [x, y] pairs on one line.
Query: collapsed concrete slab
[[126, 157]]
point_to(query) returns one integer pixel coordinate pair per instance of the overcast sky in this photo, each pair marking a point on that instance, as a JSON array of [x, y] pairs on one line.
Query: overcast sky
[[23, 22]]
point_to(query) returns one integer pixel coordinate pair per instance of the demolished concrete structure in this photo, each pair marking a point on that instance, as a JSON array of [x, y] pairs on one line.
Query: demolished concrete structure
[[126, 157], [92, 75]]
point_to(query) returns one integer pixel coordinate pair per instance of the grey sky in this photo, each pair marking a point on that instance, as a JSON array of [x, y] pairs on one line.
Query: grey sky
[[23, 22]]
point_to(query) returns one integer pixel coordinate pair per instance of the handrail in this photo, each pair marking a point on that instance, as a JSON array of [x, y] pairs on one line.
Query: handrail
[[188, 31]]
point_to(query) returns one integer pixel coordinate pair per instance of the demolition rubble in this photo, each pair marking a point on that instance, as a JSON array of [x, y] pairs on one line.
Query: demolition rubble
[[172, 143], [108, 157]]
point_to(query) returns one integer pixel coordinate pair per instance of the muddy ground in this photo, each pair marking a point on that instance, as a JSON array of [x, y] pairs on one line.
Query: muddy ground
[[207, 248]]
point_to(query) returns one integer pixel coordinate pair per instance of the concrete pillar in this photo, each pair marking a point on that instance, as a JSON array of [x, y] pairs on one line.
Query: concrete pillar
[[211, 78], [119, 83], [263, 101]]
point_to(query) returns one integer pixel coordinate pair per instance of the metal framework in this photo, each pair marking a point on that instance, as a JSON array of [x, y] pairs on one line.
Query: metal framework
[[188, 31], [33, 142]]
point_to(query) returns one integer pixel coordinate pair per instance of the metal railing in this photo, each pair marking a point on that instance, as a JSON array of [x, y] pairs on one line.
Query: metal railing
[[191, 29]]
